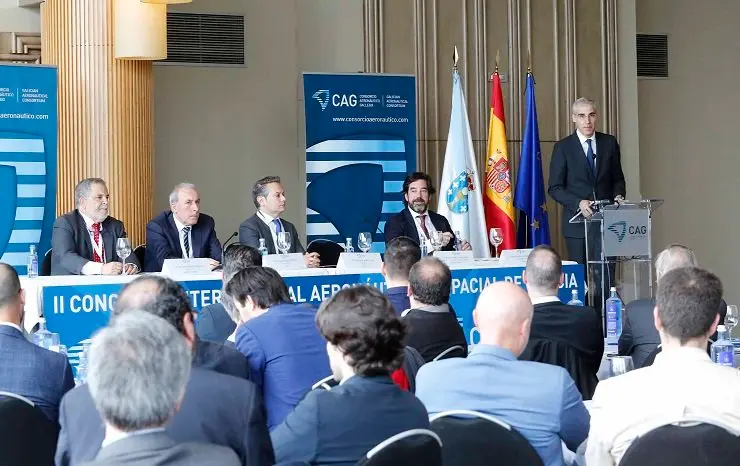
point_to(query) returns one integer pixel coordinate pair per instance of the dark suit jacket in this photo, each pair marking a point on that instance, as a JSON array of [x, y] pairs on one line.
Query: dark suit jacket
[[430, 333], [158, 448], [72, 248], [253, 228], [220, 358], [572, 181], [163, 240], [403, 224], [340, 426], [639, 336], [398, 296], [217, 409], [214, 323], [36, 373]]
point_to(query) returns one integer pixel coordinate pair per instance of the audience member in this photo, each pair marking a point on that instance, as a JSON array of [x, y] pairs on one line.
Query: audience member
[[400, 254], [285, 351], [567, 336], [28, 370], [214, 323], [683, 384], [139, 367], [431, 322], [365, 344], [538, 400]]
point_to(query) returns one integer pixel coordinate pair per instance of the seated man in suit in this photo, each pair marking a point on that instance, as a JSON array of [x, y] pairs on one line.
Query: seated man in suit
[[639, 336], [214, 323], [365, 344], [181, 232], [400, 254], [268, 196], [417, 221], [554, 323], [683, 385], [539, 400], [83, 241], [139, 367], [219, 407], [284, 349], [432, 323], [28, 370]]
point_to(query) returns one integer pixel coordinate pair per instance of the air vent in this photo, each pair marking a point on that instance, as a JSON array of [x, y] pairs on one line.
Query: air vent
[[205, 39], [652, 56]]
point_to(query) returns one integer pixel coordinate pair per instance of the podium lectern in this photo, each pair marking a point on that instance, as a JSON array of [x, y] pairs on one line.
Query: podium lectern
[[616, 234]]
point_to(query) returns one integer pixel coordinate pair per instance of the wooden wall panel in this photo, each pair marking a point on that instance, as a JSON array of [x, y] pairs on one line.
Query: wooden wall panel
[[105, 110]]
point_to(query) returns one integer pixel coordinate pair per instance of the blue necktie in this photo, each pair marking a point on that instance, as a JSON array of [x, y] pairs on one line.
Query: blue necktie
[[590, 157], [278, 225]]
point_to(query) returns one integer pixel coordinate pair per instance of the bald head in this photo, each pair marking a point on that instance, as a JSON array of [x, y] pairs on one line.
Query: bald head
[[11, 295], [503, 315], [675, 256], [138, 293]]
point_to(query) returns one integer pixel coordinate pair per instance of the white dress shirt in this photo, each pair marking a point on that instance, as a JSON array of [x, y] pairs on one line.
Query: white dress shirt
[[273, 229], [94, 268], [180, 235], [114, 437], [427, 222], [11, 324], [545, 299], [683, 384], [584, 145]]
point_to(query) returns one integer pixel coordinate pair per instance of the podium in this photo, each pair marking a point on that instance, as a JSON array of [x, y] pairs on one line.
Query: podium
[[617, 234]]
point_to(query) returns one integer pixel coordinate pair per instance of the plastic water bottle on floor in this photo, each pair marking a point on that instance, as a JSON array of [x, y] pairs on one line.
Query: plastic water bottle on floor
[[263, 248], [574, 301], [723, 351], [33, 262], [613, 317]]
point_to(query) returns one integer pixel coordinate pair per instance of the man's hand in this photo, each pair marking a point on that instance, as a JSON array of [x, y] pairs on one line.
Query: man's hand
[[131, 269], [112, 268], [619, 199], [213, 264], [446, 238], [585, 207], [466, 246], [312, 259]]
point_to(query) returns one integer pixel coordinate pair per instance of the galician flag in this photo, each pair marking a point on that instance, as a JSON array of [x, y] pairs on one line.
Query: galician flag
[[498, 200], [460, 197]]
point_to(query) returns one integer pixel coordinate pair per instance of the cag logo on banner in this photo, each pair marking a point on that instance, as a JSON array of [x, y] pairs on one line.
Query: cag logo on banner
[[323, 97]]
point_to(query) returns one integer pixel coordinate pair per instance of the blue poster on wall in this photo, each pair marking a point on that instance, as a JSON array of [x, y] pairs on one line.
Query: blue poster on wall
[[360, 145], [28, 160]]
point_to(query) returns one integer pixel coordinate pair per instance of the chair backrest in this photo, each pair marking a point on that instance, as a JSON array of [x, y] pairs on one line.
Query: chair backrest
[[415, 447], [329, 251], [456, 351], [27, 436], [140, 254], [472, 438], [412, 362], [327, 383], [46, 264], [560, 353], [697, 444]]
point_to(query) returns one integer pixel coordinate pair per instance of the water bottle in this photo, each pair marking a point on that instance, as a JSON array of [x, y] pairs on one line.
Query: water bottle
[[574, 301], [33, 262], [348, 245], [45, 338], [458, 241], [613, 317], [262, 249], [723, 351], [81, 369]]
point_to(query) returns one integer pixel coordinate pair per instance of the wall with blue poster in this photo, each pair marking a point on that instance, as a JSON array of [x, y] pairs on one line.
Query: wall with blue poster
[[360, 145], [28, 160]]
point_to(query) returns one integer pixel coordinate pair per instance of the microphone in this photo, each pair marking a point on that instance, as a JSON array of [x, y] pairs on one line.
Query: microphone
[[223, 245]]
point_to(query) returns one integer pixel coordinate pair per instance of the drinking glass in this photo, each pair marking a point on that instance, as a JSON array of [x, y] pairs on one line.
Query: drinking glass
[[619, 365], [284, 242], [731, 319], [365, 241], [437, 238], [123, 249], [496, 236]]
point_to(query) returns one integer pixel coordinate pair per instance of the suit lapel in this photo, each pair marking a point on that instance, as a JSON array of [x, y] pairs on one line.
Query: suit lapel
[[578, 151], [196, 234], [174, 235], [109, 240], [411, 230], [266, 233], [601, 155], [87, 249]]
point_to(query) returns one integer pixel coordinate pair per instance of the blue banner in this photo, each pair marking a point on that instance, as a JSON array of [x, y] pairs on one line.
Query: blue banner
[[360, 142], [28, 161]]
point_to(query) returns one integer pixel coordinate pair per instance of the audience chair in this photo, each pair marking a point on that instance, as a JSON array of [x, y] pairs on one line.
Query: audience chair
[[456, 351], [46, 265], [560, 353], [140, 254], [327, 383], [27, 436], [698, 444], [329, 251], [471, 438], [415, 447]]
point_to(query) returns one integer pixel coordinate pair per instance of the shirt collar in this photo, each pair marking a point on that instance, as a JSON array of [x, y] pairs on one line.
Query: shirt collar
[[11, 324], [122, 435], [681, 355], [89, 221], [583, 138], [431, 308], [178, 224], [416, 214], [268, 219], [493, 350], [545, 299]]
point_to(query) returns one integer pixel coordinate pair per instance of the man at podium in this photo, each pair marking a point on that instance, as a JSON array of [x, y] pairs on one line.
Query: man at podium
[[585, 167]]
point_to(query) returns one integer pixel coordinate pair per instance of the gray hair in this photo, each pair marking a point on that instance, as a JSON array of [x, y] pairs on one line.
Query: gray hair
[[138, 369], [236, 257], [544, 268], [84, 188], [260, 188], [675, 256], [583, 101], [174, 195]]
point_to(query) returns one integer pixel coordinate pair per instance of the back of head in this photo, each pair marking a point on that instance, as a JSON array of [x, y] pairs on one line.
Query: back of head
[[400, 255], [361, 322], [156, 295], [237, 257], [138, 369], [503, 314], [262, 284], [430, 281], [544, 269], [687, 302], [673, 257], [10, 286]]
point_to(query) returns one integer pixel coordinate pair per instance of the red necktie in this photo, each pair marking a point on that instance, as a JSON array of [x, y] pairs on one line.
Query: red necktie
[[422, 221], [96, 238]]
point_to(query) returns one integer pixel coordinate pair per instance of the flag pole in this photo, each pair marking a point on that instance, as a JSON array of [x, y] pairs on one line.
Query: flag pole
[[455, 58]]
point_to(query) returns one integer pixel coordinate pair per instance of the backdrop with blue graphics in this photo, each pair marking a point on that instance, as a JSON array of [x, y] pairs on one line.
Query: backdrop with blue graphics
[[360, 145], [28, 161]]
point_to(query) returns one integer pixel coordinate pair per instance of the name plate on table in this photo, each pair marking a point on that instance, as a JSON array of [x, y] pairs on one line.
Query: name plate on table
[[514, 257], [180, 267], [369, 262], [455, 258], [292, 261]]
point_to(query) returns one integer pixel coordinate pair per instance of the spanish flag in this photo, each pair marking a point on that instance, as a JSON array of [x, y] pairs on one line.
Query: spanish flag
[[498, 202]]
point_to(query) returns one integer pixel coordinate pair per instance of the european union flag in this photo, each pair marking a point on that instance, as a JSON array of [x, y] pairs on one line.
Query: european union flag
[[529, 196]]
